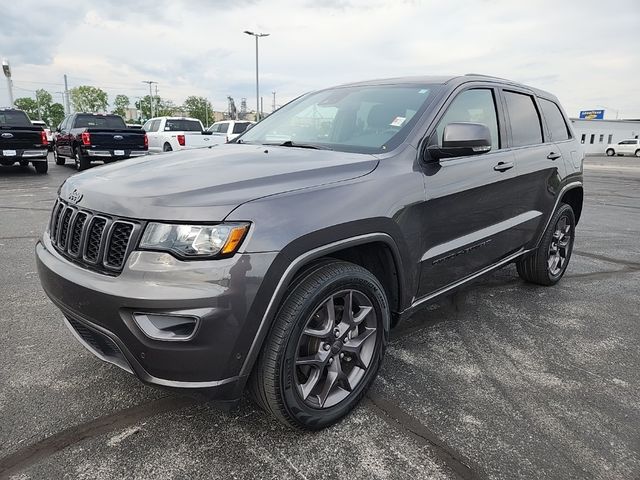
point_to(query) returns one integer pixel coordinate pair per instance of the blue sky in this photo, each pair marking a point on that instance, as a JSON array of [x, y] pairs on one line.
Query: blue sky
[[586, 52]]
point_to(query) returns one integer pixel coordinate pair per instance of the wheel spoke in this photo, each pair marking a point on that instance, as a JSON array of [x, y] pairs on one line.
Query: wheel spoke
[[329, 310], [318, 360], [311, 383], [362, 313], [354, 347]]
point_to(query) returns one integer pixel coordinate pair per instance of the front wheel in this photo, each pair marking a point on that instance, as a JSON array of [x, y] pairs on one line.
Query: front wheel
[[610, 152], [324, 348], [637, 153], [547, 264]]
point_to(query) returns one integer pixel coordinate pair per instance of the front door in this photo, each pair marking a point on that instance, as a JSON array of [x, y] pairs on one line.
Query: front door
[[468, 216]]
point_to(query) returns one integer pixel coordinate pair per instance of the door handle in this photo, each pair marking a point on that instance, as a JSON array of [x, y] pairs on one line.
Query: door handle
[[553, 156], [503, 166]]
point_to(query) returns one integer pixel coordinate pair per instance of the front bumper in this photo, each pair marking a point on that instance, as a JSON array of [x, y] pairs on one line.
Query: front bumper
[[99, 310]]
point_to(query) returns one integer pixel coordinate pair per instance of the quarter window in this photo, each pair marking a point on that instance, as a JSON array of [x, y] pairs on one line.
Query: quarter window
[[555, 121], [477, 106], [525, 121]]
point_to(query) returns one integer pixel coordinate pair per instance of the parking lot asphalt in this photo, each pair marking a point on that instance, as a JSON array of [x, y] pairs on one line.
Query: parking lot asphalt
[[499, 380]]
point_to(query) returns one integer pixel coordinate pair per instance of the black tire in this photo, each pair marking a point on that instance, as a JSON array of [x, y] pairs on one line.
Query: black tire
[[24, 163], [82, 162], [167, 147], [610, 152], [275, 384], [637, 154], [540, 266], [59, 160], [41, 167]]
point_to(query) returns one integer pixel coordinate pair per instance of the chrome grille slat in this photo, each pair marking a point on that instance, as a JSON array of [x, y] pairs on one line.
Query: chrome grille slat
[[95, 241]]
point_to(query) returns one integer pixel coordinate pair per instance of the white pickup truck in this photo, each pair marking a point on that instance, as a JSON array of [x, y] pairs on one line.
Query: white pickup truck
[[168, 134]]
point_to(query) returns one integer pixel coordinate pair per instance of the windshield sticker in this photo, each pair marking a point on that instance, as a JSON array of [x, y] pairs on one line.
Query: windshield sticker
[[424, 90], [398, 121]]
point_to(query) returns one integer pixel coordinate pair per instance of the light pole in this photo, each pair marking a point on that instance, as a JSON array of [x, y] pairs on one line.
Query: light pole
[[257, 35], [7, 73], [151, 101]]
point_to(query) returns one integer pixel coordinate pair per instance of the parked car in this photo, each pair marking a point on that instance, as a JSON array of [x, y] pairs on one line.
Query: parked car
[[229, 129], [21, 141], [47, 131], [87, 137], [284, 266], [625, 147], [167, 134]]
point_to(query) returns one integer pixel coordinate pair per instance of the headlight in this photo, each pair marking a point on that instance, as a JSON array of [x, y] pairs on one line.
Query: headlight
[[194, 241]]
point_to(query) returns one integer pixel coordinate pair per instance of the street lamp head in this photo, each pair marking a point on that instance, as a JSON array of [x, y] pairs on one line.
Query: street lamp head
[[6, 68], [248, 32]]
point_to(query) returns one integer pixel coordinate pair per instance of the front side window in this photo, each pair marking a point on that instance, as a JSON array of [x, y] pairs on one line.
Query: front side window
[[526, 128], [555, 121], [360, 118], [475, 106]]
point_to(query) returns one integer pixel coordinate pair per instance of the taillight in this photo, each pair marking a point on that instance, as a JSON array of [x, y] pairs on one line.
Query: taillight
[[146, 141], [43, 138], [181, 140], [86, 138]]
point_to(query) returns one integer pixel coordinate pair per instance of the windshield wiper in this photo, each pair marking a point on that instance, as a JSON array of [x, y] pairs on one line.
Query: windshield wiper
[[289, 143]]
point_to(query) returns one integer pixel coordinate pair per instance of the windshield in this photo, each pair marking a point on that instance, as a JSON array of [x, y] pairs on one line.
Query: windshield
[[179, 125], [99, 121], [361, 119]]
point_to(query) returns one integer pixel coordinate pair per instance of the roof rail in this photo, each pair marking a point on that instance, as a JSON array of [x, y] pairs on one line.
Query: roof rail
[[486, 76]]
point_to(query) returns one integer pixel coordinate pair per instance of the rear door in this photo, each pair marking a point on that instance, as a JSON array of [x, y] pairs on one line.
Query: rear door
[[539, 166], [468, 213]]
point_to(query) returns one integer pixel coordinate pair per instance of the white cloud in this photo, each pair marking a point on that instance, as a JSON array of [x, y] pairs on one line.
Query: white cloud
[[583, 51]]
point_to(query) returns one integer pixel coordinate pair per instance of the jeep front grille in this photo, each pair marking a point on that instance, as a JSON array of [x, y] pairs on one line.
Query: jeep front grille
[[93, 240]]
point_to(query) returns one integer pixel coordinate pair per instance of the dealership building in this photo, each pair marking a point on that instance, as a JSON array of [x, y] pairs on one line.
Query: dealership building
[[596, 134]]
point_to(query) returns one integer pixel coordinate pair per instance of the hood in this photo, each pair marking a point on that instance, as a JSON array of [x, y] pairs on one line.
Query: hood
[[207, 184]]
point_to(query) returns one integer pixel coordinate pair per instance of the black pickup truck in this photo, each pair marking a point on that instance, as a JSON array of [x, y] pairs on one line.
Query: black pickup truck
[[85, 137], [21, 141]]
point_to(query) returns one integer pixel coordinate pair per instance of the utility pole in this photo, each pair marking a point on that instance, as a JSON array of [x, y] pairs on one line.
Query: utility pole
[[261, 106], [151, 102], [257, 35], [6, 68], [273, 106], [206, 113], [67, 107]]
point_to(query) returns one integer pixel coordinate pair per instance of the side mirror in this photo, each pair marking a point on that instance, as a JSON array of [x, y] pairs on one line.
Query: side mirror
[[461, 139]]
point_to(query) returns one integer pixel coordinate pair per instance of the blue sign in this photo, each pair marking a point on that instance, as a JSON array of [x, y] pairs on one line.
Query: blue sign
[[592, 114]]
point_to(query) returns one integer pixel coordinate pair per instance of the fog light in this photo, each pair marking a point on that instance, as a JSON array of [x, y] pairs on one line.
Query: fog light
[[166, 327]]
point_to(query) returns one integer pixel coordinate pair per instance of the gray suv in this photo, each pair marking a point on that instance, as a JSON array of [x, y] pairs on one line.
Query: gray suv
[[281, 261]]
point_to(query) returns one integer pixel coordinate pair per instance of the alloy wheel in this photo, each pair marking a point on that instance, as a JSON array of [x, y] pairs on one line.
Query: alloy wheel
[[335, 349], [559, 249]]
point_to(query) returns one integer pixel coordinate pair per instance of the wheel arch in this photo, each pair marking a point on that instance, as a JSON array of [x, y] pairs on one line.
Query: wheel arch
[[389, 273], [574, 197]]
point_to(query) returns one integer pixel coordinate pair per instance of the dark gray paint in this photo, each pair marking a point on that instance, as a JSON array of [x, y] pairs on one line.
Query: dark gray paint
[[302, 204]]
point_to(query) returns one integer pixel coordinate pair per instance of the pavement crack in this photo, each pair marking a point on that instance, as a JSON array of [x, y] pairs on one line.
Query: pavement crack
[[604, 258], [34, 453], [396, 417]]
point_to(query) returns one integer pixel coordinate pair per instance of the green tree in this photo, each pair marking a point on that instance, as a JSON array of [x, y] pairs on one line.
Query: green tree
[[28, 106], [120, 104], [161, 107], [55, 114], [200, 108], [89, 99]]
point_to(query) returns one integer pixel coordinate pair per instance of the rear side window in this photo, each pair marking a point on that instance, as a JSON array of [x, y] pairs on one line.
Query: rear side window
[[14, 118], [476, 106], [555, 121], [99, 121], [240, 127], [179, 125], [525, 121]]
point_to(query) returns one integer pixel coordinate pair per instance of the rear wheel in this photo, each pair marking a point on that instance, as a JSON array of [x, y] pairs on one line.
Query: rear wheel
[[167, 147], [610, 152], [41, 167], [24, 163], [637, 153], [325, 346], [82, 162], [547, 264]]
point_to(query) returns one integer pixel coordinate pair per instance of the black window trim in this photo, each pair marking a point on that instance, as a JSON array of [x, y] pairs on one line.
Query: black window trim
[[444, 107], [543, 127]]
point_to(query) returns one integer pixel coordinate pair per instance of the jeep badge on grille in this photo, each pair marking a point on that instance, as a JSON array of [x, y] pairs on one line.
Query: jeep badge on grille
[[75, 196]]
